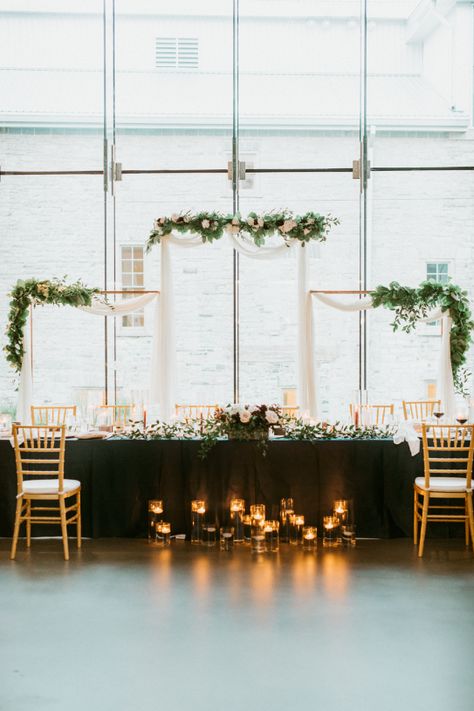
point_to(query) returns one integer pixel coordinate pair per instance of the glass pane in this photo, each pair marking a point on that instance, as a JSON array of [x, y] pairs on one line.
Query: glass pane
[[46, 233], [268, 324], [415, 220], [202, 281], [299, 83], [420, 84], [174, 102], [51, 83]]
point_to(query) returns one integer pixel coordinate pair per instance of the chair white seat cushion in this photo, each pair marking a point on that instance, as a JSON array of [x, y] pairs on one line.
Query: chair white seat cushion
[[49, 486], [443, 483]]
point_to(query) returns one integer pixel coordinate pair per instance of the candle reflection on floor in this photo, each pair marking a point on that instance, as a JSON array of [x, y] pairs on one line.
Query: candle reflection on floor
[[335, 574]]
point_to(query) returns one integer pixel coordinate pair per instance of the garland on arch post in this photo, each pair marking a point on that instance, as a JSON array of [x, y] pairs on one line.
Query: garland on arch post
[[412, 304], [211, 226], [32, 292]]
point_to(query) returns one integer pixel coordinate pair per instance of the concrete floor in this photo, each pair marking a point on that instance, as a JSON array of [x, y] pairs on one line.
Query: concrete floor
[[127, 626]]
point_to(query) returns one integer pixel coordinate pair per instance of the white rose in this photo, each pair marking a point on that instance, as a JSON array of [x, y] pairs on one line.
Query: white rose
[[271, 417], [174, 217], [245, 416], [253, 409], [162, 220], [232, 229], [260, 222], [235, 221], [205, 224], [250, 221], [186, 218]]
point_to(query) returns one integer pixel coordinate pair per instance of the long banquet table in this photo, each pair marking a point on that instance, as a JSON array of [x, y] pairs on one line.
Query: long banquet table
[[119, 476]]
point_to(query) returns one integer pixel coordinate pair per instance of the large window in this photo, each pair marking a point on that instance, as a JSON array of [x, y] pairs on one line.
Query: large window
[[296, 91]]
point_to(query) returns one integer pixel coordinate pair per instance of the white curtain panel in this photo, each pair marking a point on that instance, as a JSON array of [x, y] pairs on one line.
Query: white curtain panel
[[445, 381], [25, 397]]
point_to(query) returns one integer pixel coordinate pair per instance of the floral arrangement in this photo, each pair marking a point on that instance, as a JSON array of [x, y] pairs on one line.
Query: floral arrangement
[[211, 226], [298, 429], [33, 292], [412, 304]]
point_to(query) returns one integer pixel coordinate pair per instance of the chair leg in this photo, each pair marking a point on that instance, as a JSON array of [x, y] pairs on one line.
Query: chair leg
[[16, 529], [415, 517], [28, 523], [466, 523], [424, 520], [471, 515], [79, 523], [62, 510]]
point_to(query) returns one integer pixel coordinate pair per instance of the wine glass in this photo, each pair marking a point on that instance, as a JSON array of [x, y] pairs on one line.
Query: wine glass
[[462, 419], [438, 414]]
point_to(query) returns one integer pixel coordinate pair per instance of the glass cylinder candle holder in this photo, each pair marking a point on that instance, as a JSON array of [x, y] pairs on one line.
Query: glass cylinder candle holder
[[198, 510], [296, 529], [209, 534], [331, 531], [155, 509], [310, 538], [272, 537], [247, 524], [257, 513], [237, 510], [163, 533], [257, 537], [348, 535], [226, 538], [341, 510], [286, 509]]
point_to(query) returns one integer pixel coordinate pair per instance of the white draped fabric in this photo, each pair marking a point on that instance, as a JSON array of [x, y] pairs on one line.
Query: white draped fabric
[[164, 368], [97, 308], [445, 381]]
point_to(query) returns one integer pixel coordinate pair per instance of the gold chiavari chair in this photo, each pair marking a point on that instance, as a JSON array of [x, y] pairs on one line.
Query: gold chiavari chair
[[39, 455], [118, 415], [419, 410], [376, 413], [447, 456], [52, 414], [290, 410], [194, 412]]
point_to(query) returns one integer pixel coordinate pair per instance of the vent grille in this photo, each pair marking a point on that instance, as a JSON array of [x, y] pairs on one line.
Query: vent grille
[[177, 52]]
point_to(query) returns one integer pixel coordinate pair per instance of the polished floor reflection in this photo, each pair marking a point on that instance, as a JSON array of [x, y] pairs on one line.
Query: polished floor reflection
[[127, 626]]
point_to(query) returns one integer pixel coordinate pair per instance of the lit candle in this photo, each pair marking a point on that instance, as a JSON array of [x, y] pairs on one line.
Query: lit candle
[[341, 509], [310, 538], [237, 509], [257, 512], [198, 509], [163, 533], [296, 528], [331, 531], [271, 530], [155, 508]]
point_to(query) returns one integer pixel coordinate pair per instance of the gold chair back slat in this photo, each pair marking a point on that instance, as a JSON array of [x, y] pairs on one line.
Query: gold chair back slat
[[191, 412], [52, 414], [419, 410], [448, 439], [119, 414], [36, 439], [379, 411]]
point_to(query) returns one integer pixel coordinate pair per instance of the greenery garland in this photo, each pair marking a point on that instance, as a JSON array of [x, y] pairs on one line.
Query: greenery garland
[[211, 226], [412, 304], [33, 292], [210, 430]]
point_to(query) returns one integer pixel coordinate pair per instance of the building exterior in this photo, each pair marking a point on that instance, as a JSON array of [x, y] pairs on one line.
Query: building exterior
[[166, 97]]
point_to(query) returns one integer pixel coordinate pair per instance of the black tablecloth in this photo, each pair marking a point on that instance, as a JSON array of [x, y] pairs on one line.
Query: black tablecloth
[[119, 476]]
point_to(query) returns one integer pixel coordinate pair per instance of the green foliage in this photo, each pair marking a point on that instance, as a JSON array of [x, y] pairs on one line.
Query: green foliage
[[36, 292], [410, 305], [297, 429], [161, 430], [211, 226]]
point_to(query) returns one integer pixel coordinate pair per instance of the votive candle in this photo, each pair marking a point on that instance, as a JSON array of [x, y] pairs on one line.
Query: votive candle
[[310, 538], [198, 509]]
